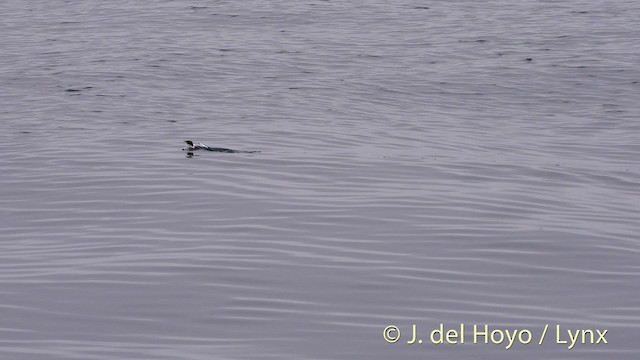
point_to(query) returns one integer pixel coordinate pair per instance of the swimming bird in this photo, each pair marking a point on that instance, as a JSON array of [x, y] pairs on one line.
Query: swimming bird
[[200, 146], [192, 147]]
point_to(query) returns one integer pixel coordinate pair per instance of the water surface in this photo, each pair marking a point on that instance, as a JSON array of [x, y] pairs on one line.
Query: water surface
[[421, 163]]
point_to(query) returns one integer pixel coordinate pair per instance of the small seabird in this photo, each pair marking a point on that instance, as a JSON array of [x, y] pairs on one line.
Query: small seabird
[[191, 147]]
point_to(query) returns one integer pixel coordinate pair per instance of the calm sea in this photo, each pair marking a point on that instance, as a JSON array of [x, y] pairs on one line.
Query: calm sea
[[421, 162]]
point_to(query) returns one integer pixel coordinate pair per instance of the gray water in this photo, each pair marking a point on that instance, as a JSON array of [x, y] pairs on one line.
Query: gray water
[[451, 162]]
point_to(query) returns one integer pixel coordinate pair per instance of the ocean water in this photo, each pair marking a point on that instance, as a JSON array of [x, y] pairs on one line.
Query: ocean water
[[427, 163]]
